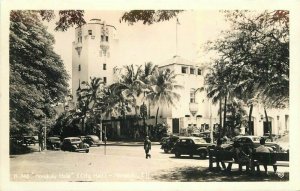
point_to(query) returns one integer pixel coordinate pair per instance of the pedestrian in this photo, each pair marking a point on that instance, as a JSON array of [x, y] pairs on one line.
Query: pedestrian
[[147, 147], [219, 148]]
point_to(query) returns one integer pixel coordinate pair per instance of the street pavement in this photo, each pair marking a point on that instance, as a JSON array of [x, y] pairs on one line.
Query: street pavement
[[121, 163]]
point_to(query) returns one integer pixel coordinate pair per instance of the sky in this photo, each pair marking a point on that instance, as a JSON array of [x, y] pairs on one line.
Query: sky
[[141, 43]]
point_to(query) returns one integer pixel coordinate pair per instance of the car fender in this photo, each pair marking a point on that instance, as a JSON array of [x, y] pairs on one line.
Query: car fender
[[202, 149]]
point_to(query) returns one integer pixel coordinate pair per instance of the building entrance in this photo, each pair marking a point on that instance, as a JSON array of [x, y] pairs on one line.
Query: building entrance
[[175, 125]]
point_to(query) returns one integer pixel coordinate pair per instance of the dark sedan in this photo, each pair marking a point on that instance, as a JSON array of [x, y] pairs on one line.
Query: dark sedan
[[53, 143], [74, 144], [191, 146]]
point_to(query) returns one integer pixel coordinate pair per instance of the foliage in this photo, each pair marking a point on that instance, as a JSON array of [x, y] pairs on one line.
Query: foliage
[[162, 88], [67, 18], [37, 74], [257, 51], [148, 16]]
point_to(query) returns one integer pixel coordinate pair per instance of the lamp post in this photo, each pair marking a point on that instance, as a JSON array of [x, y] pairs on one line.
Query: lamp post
[[98, 112], [45, 133]]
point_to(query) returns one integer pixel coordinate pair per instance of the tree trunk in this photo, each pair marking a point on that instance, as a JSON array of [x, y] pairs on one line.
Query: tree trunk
[[249, 120], [220, 112], [269, 128], [156, 116], [224, 118], [149, 114]]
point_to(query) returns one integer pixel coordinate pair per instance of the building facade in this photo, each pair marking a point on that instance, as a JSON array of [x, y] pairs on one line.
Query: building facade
[[94, 53], [195, 113]]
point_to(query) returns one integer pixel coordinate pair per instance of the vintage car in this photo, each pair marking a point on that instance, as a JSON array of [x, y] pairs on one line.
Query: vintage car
[[254, 142], [74, 144], [191, 146], [29, 140], [53, 143], [92, 140], [169, 143]]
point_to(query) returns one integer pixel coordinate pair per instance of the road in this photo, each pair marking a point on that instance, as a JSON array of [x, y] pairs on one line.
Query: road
[[120, 163]]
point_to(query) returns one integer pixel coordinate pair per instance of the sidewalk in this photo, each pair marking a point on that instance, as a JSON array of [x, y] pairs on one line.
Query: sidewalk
[[126, 143]]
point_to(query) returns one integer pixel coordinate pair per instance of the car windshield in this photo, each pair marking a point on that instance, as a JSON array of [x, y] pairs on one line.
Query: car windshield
[[54, 138], [197, 141], [75, 140], [256, 138]]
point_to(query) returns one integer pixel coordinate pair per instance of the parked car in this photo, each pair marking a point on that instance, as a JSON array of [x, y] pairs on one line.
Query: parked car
[[163, 140], [191, 146], [168, 145], [53, 143], [28, 140], [91, 140], [74, 144], [253, 142]]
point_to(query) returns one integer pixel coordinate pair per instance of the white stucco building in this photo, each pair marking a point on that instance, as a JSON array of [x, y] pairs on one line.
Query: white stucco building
[[94, 53], [194, 111]]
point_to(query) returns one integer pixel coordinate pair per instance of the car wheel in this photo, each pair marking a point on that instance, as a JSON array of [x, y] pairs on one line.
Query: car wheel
[[202, 154], [166, 150], [177, 154], [88, 150]]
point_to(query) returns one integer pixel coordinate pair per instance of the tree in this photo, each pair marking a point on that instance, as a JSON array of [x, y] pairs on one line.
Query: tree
[[38, 78], [163, 86], [221, 85], [258, 45], [89, 97], [257, 48], [148, 16]]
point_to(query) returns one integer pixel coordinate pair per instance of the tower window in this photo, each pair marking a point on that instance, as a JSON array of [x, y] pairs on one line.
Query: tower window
[[199, 72], [184, 70], [106, 38], [192, 71], [192, 96], [102, 38], [104, 66], [79, 67], [104, 80], [90, 32]]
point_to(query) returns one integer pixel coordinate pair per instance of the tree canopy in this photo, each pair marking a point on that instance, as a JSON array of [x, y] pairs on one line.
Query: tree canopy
[[255, 53], [37, 75]]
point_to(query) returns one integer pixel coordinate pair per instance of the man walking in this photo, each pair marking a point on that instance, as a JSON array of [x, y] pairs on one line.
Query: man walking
[[147, 147]]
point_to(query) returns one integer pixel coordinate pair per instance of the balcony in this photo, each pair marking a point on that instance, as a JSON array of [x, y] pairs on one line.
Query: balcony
[[193, 108]]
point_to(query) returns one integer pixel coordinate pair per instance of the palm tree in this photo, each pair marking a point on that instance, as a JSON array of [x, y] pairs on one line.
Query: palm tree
[[129, 85], [89, 97], [221, 84], [162, 89]]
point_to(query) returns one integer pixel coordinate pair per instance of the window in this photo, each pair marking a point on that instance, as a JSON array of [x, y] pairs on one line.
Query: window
[[192, 71], [102, 38], [104, 66], [199, 72], [104, 80], [184, 70], [106, 38], [79, 67], [90, 32], [192, 96]]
